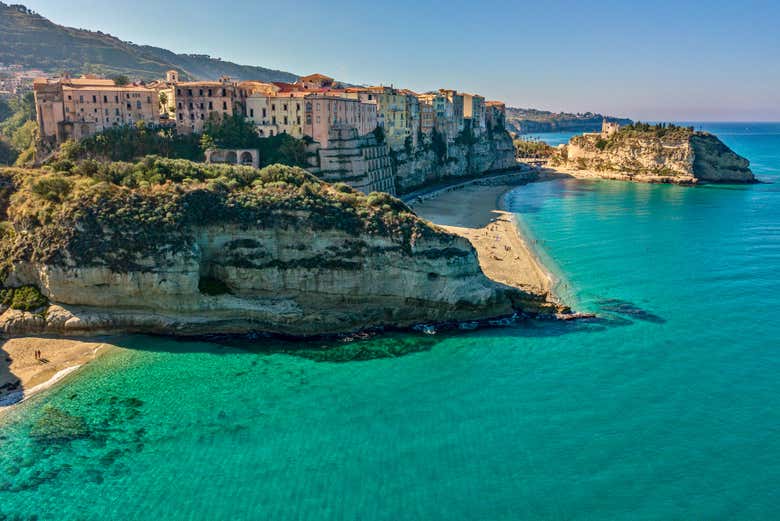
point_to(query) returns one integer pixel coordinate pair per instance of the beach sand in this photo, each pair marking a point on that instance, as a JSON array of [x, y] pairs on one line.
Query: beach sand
[[474, 212], [22, 376]]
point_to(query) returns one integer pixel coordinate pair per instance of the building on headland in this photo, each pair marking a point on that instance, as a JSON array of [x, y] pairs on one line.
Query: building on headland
[[325, 111], [197, 102], [609, 128], [456, 121], [474, 113], [495, 115], [75, 108], [339, 124], [360, 161]]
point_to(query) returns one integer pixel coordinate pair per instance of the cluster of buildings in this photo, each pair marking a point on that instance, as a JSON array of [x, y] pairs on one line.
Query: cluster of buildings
[[314, 106], [16, 80]]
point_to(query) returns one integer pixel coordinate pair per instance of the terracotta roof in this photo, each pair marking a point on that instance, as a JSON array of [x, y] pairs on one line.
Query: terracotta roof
[[312, 77]]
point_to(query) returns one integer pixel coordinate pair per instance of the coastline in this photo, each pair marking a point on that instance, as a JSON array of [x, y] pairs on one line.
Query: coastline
[[478, 213], [22, 376]]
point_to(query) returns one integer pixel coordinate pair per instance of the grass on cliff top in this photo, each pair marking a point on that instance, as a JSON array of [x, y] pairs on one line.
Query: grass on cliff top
[[94, 213], [666, 132]]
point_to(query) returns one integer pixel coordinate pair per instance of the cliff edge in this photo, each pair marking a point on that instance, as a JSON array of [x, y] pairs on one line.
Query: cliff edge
[[174, 247], [662, 153]]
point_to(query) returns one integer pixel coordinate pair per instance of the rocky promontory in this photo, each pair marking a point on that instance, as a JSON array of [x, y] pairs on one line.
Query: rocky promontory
[[660, 153], [174, 247]]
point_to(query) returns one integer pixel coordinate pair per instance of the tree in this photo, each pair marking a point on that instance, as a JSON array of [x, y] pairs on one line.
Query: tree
[[121, 80], [164, 101]]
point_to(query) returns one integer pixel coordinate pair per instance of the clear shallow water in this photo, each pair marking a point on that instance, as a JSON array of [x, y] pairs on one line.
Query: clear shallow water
[[669, 408]]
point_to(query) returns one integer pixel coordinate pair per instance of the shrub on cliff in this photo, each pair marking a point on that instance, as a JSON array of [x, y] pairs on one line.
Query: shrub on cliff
[[127, 214]]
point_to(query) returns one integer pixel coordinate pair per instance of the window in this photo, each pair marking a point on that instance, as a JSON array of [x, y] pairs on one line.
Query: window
[[138, 105], [116, 99], [201, 106], [201, 92], [116, 111], [94, 99], [181, 105], [189, 92], [285, 120], [284, 107], [129, 106], [298, 107], [224, 105], [209, 93], [105, 99], [273, 107], [211, 105], [201, 117], [181, 116], [70, 97], [273, 120], [298, 119], [178, 92], [191, 106], [224, 93], [81, 99], [251, 113], [264, 113]]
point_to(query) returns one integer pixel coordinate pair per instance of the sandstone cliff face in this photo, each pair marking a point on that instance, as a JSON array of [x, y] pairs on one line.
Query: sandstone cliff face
[[312, 260], [683, 159], [490, 152], [279, 281]]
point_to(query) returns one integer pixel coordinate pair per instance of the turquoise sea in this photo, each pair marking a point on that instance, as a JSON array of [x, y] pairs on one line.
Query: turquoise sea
[[668, 407]]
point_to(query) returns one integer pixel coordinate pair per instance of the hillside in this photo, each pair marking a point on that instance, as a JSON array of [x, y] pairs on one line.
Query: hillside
[[33, 41], [525, 121]]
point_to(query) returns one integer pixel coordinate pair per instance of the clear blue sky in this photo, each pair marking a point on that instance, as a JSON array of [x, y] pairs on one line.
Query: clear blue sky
[[660, 59]]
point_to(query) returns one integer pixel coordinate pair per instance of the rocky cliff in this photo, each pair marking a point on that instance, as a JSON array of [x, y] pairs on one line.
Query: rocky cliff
[[465, 157], [230, 250], [656, 154]]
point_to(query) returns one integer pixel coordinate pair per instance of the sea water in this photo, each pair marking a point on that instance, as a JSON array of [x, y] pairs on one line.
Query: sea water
[[666, 407]]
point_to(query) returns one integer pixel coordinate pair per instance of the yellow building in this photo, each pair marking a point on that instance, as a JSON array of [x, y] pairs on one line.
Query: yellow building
[[74, 108]]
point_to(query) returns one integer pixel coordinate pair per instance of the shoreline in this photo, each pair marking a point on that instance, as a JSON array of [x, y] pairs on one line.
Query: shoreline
[[478, 213], [22, 376]]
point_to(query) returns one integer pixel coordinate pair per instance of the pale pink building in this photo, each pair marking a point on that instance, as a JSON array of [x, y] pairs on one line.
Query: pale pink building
[[324, 111]]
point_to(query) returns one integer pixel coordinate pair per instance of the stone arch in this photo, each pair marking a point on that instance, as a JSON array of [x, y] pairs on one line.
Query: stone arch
[[246, 158], [231, 157]]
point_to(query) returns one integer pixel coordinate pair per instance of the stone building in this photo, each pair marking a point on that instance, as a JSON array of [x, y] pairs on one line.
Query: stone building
[[198, 101], [359, 161], [608, 128], [474, 113], [75, 108], [456, 121], [325, 111], [315, 82]]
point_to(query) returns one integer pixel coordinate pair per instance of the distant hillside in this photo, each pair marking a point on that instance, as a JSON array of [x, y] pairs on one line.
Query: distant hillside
[[31, 40], [524, 121]]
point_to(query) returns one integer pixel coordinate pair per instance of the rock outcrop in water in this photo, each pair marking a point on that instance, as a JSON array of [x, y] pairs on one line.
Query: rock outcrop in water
[[656, 154], [175, 247]]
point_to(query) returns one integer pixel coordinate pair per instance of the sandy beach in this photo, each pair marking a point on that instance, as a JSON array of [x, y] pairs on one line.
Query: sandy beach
[[22, 375], [474, 212]]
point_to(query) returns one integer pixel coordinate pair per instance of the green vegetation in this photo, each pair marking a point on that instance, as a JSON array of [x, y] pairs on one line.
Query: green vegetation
[[534, 149], [18, 130], [25, 298], [129, 143], [33, 41], [661, 130], [122, 215]]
